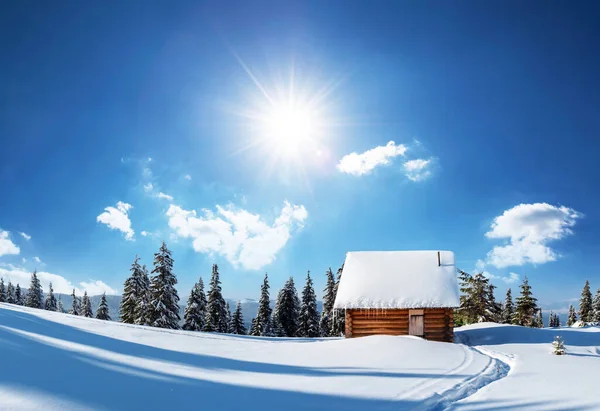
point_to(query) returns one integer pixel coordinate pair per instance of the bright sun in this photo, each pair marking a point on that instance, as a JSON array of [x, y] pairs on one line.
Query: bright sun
[[290, 128]]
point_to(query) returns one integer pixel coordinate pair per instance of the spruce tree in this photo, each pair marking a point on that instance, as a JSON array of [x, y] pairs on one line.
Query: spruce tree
[[143, 309], [338, 319], [585, 304], [558, 346], [86, 306], [572, 318], [539, 321], [228, 316], [596, 305], [59, 305], [50, 299], [263, 316], [164, 312], [75, 309], [286, 311], [102, 313], [35, 296], [18, 295], [508, 309], [526, 306], [236, 326], [309, 314], [2, 291], [129, 299], [10, 293], [195, 312], [252, 324], [328, 300], [215, 304]]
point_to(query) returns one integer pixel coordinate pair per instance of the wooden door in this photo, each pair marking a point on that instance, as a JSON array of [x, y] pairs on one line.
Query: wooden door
[[415, 322]]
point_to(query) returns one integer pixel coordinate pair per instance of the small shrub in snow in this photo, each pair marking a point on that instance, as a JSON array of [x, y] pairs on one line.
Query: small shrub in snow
[[559, 346]]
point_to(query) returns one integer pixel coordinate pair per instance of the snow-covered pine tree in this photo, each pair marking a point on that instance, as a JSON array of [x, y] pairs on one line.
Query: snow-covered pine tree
[[50, 299], [2, 291], [539, 320], [287, 310], [278, 330], [103, 313], [328, 300], [129, 299], [59, 305], [18, 295], [35, 295], [526, 306], [75, 309], [558, 346], [251, 329], [262, 325], [164, 300], [86, 306], [338, 320], [508, 309], [309, 314], [585, 304], [195, 312], [228, 316], [596, 305], [142, 310], [215, 304], [572, 318], [10, 293], [236, 326]]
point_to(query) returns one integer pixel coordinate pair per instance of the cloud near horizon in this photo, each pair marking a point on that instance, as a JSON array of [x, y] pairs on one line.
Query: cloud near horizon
[[243, 238], [118, 219]]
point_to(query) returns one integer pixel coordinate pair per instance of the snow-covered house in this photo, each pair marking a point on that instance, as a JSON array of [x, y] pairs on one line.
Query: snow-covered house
[[398, 293]]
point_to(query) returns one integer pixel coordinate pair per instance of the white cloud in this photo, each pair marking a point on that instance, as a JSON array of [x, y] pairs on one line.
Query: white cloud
[[241, 237], [512, 278], [24, 260], [144, 233], [148, 187], [37, 260], [417, 169], [359, 164], [7, 247], [165, 196], [117, 219], [25, 236], [187, 177], [527, 229], [19, 275]]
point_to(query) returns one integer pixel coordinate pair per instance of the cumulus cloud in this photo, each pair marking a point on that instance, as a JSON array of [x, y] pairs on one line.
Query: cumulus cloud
[[527, 230], [118, 219], [25, 236], [363, 163], [245, 239], [7, 247], [19, 275], [417, 169], [165, 196], [187, 177]]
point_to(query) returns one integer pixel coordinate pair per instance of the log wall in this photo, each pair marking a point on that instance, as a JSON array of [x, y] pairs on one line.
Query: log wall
[[438, 323]]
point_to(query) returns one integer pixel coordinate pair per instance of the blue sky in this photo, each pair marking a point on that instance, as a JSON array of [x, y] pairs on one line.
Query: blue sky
[[126, 123]]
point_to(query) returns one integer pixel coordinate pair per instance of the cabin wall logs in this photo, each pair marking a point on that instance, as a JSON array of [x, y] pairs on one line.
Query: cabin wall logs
[[438, 323]]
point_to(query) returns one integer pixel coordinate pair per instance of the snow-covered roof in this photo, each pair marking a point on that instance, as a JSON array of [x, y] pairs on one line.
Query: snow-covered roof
[[398, 279]]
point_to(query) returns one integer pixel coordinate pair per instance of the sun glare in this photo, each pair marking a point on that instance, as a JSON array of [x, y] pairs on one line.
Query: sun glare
[[290, 128]]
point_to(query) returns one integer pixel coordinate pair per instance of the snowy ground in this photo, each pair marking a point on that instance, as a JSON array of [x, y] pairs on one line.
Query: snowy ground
[[52, 361]]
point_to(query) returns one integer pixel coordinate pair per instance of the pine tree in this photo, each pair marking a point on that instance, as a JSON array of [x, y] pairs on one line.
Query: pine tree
[[164, 312], [338, 320], [75, 309], [86, 306], [585, 304], [309, 314], [143, 309], [596, 305], [35, 296], [286, 311], [236, 326], [558, 346], [59, 305], [129, 299], [228, 316], [103, 313], [477, 301], [195, 311], [328, 300], [50, 299], [263, 316], [10, 293], [539, 321], [2, 291], [252, 324], [509, 308], [18, 295], [215, 304], [526, 306], [572, 318]]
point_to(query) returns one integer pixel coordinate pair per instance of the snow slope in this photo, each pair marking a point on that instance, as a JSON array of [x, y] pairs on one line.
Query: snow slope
[[52, 361], [537, 380]]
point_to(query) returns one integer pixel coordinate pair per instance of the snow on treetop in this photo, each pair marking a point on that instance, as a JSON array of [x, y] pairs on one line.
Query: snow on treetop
[[398, 279]]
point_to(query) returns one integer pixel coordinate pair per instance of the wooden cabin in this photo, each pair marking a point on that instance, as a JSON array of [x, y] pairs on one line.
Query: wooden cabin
[[399, 293]]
